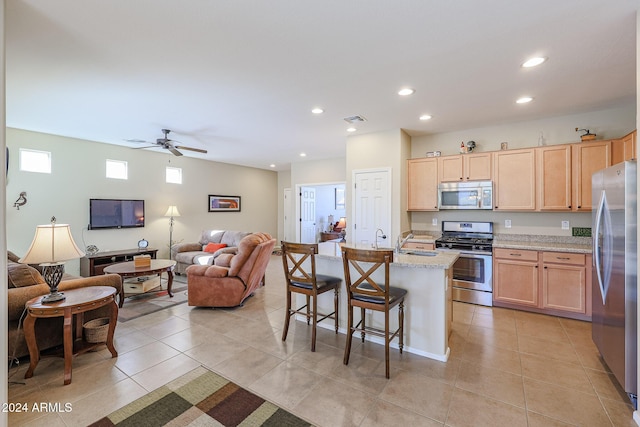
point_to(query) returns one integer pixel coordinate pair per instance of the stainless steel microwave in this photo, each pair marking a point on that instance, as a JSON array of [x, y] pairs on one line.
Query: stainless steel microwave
[[465, 195]]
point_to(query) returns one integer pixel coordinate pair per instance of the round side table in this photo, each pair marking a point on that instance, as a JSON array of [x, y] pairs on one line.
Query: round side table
[[77, 302]]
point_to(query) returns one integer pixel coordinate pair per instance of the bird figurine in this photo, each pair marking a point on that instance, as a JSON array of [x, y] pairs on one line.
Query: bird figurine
[[22, 200]]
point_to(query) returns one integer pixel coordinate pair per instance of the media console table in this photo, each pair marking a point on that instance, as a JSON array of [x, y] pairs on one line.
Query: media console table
[[93, 265]]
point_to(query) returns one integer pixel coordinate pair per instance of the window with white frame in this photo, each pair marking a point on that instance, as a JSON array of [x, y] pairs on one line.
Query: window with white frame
[[173, 175], [116, 169], [35, 161]]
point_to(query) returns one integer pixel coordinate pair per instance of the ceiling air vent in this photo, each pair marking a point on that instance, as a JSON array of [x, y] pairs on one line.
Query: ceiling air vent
[[354, 119]]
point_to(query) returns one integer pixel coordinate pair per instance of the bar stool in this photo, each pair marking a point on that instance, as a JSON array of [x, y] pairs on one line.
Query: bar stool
[[368, 293], [302, 279]]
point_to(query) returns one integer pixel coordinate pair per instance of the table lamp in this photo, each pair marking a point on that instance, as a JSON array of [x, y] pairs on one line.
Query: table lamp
[[52, 245], [171, 212]]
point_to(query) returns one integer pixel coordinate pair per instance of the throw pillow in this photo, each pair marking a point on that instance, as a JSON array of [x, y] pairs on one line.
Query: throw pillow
[[23, 275], [213, 247]]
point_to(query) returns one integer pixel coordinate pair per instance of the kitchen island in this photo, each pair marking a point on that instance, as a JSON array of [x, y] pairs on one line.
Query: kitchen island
[[428, 305]]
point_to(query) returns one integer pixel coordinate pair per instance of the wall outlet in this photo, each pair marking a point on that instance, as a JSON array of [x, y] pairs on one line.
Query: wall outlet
[[565, 225], [434, 221], [507, 223]]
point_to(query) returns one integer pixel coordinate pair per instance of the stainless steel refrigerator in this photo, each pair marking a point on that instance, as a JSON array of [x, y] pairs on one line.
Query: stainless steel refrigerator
[[614, 310]]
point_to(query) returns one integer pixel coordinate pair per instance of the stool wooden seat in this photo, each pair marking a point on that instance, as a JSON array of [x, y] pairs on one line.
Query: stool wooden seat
[[299, 264], [368, 293]]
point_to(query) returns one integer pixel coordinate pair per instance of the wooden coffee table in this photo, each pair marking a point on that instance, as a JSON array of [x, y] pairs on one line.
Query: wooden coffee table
[[77, 302], [128, 269]]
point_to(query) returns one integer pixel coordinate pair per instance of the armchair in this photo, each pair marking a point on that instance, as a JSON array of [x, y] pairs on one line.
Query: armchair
[[234, 277]]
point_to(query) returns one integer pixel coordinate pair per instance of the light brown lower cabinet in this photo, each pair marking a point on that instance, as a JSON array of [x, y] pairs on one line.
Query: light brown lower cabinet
[[556, 283]]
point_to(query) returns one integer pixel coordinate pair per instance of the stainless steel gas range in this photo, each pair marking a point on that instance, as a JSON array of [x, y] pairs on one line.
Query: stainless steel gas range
[[473, 271]]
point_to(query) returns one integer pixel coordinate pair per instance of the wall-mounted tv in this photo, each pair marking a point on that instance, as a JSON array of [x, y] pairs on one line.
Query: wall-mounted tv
[[115, 213]]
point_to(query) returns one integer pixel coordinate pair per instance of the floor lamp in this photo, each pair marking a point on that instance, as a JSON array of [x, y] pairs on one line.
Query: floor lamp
[[171, 212]]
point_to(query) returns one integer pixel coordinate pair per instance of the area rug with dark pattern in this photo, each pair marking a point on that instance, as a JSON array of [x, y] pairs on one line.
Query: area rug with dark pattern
[[136, 305], [200, 398]]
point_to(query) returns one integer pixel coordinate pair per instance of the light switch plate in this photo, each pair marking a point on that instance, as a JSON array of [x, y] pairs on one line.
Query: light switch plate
[[565, 225], [434, 221], [507, 223]]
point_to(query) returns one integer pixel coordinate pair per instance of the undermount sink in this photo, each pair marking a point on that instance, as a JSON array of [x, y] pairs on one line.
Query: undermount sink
[[420, 253]]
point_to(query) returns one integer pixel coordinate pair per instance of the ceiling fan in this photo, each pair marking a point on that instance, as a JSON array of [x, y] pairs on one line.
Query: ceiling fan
[[168, 144]]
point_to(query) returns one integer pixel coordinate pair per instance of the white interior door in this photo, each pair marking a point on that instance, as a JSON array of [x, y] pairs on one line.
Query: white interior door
[[372, 208], [288, 214], [307, 215]]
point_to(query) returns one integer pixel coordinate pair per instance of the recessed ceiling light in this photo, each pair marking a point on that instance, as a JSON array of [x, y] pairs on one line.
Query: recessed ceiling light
[[317, 110], [532, 62], [351, 129], [524, 100], [272, 165], [425, 117], [406, 91], [303, 154]]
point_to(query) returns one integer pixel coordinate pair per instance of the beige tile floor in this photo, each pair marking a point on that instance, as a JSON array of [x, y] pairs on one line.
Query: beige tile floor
[[507, 368]]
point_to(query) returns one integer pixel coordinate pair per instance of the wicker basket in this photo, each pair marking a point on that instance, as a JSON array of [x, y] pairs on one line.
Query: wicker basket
[[96, 330]]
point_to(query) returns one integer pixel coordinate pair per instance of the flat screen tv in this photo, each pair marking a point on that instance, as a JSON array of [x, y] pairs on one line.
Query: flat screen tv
[[115, 213]]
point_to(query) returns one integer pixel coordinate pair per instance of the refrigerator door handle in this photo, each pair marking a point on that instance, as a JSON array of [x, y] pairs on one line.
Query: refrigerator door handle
[[601, 237]]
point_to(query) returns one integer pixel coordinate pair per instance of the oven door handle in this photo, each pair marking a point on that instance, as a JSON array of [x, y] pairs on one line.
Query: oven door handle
[[475, 254]]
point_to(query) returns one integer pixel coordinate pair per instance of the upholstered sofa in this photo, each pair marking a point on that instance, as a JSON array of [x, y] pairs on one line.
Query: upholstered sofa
[[186, 254], [234, 277], [24, 283]]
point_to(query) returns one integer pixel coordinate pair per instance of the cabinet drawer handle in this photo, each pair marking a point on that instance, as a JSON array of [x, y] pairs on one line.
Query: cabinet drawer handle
[[515, 254], [563, 257]]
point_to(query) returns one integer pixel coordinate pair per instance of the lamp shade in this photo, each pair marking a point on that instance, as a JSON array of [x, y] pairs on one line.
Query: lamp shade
[[342, 223], [52, 243], [172, 211]]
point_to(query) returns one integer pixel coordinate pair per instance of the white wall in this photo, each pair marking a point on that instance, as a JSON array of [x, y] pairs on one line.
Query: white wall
[[78, 174], [607, 124], [381, 150]]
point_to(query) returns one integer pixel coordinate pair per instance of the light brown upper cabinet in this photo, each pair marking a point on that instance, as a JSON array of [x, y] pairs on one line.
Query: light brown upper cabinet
[[624, 148], [554, 177], [465, 167], [422, 184], [588, 157], [514, 175]]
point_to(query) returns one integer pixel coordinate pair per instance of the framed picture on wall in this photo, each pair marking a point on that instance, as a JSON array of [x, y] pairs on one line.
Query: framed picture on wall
[[339, 198], [224, 203]]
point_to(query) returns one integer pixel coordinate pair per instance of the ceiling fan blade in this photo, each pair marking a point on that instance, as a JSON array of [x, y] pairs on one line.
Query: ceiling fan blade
[[198, 150], [146, 146], [174, 151]]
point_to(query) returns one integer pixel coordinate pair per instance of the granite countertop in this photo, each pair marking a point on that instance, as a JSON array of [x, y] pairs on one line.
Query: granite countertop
[[438, 260], [543, 243]]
